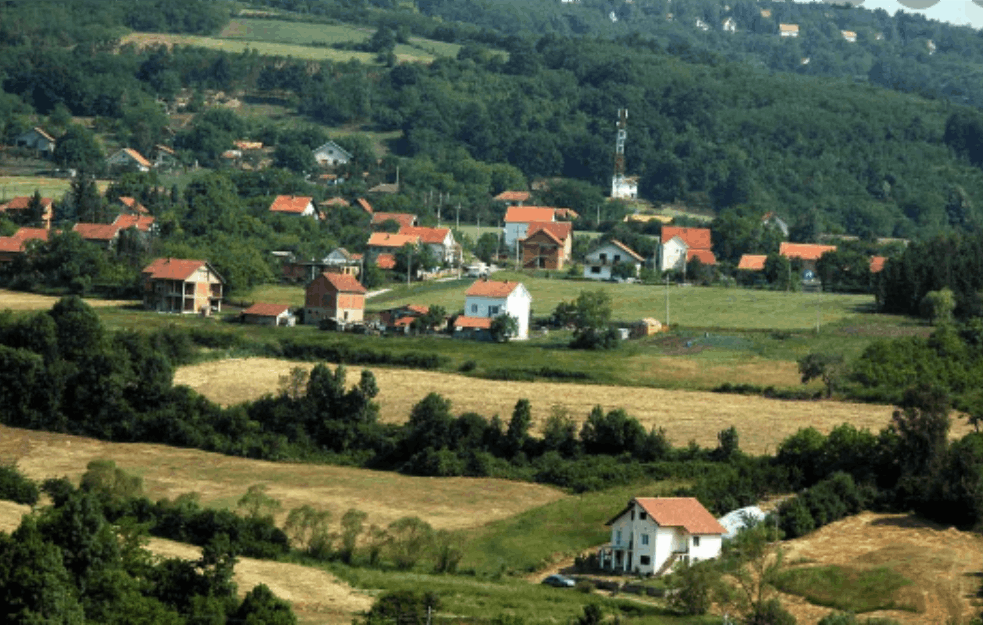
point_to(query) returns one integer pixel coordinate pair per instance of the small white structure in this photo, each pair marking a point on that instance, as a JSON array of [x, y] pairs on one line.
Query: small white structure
[[598, 263], [736, 520], [37, 139], [489, 298], [652, 533], [128, 158], [331, 154], [729, 25], [624, 188], [679, 245], [849, 36], [788, 30], [702, 25]]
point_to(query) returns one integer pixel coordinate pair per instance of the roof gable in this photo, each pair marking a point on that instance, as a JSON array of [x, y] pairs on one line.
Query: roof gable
[[492, 288], [433, 236], [752, 262], [343, 282], [685, 512], [558, 230], [293, 204], [261, 309]]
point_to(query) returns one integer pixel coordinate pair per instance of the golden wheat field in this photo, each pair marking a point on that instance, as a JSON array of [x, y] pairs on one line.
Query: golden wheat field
[[17, 300], [686, 415]]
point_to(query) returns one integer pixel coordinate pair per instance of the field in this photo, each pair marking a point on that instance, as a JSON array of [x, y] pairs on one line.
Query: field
[[942, 563], [686, 415], [14, 186], [18, 300]]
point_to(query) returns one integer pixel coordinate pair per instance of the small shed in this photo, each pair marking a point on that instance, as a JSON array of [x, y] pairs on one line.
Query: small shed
[[269, 315], [646, 327]]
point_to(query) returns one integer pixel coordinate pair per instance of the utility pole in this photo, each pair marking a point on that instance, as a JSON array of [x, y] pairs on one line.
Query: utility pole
[[440, 201], [819, 305], [457, 219], [409, 264], [518, 263], [667, 300]]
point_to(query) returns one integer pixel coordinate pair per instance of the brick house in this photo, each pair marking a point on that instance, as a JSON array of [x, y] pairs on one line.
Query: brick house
[[336, 296], [182, 286], [547, 245]]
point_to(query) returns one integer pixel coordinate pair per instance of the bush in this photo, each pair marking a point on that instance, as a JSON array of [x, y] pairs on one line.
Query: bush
[[17, 488]]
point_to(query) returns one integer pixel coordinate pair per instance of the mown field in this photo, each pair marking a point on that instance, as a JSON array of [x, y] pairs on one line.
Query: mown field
[[14, 186]]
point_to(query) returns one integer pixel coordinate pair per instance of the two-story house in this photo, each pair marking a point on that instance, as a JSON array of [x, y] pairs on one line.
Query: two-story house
[[679, 245], [486, 299], [298, 205], [599, 262], [182, 286], [336, 296], [652, 533], [547, 245], [439, 240], [22, 206], [518, 218]]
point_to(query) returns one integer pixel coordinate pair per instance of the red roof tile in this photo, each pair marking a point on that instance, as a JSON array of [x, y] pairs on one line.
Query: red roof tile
[[432, 236], [559, 230], [140, 222], [133, 205], [31, 234], [694, 238], [706, 256], [385, 261], [473, 323], [23, 201], [752, 262], [526, 214], [385, 239], [294, 204], [685, 512], [261, 309], [173, 268], [136, 156], [344, 282], [805, 251], [365, 205], [877, 263], [512, 196], [566, 213], [97, 232], [492, 288], [405, 220], [335, 201], [627, 250]]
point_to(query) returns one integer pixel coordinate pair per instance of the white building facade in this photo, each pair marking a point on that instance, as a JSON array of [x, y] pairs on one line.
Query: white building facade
[[489, 299]]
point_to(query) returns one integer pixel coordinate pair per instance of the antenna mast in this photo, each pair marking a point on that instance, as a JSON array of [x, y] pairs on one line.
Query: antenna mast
[[618, 180]]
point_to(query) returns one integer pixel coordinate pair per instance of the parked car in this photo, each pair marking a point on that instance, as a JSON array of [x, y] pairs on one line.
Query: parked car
[[559, 581]]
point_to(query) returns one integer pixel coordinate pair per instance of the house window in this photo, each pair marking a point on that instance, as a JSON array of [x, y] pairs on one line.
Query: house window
[[645, 539], [696, 541], [641, 516], [474, 308], [595, 269], [617, 537], [492, 311], [604, 257], [617, 258], [644, 560]]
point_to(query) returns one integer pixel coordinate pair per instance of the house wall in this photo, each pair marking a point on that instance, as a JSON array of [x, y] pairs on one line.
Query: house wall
[[514, 231], [541, 252], [321, 301], [597, 268], [709, 548], [517, 305], [672, 255], [260, 320]]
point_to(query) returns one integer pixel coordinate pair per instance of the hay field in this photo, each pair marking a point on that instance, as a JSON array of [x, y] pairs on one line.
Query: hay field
[[943, 563], [453, 503], [18, 300], [686, 415], [14, 186]]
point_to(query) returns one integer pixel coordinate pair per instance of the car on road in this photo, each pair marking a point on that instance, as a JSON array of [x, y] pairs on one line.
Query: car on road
[[559, 581]]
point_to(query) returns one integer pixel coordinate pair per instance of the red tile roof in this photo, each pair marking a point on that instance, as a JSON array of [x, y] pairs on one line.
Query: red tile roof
[[473, 323], [752, 262], [21, 202], [877, 263], [335, 201], [385, 239], [16, 242], [512, 196], [163, 148], [432, 236], [344, 282], [559, 230], [706, 256], [136, 156], [294, 204], [526, 214], [365, 205], [685, 512], [248, 145], [492, 288], [261, 309], [416, 308], [627, 250], [97, 232], [385, 261], [805, 251], [173, 268], [694, 238], [566, 213], [405, 220], [133, 205], [140, 222]]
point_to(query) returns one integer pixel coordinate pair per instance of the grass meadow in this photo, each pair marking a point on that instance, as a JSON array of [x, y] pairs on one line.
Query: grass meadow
[[849, 589], [14, 186]]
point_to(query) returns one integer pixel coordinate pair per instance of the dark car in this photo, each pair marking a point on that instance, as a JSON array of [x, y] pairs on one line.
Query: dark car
[[559, 581]]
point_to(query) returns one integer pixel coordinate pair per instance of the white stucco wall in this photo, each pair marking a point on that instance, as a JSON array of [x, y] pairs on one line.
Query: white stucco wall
[[514, 231], [517, 305], [709, 547], [672, 255]]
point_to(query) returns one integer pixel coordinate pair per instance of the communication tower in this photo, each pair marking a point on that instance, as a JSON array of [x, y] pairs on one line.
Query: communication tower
[[622, 187]]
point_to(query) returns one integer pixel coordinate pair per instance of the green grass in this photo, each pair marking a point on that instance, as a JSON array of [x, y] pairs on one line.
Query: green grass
[[238, 46], [14, 186], [850, 589], [530, 541], [472, 599]]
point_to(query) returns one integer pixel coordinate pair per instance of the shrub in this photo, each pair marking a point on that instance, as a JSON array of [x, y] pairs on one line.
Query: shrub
[[17, 488]]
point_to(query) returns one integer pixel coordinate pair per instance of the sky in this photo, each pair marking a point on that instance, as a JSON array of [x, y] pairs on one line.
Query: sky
[[966, 12]]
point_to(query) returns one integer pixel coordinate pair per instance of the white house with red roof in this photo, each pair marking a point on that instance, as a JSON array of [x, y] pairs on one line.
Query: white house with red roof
[[678, 246], [518, 218], [182, 286], [128, 158], [486, 299], [296, 205], [599, 262], [651, 534], [440, 240], [264, 314], [37, 139], [331, 154]]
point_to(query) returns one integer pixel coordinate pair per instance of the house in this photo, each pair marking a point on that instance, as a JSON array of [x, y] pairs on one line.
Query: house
[[440, 240], [334, 296], [340, 260], [104, 235], [405, 220], [849, 35], [248, 146], [877, 263], [182, 286], [680, 245], [788, 30], [598, 263], [548, 245], [130, 206], [513, 198], [331, 155], [752, 262], [808, 253], [268, 315], [128, 158], [384, 242], [729, 25], [22, 203], [38, 140], [335, 201], [652, 533], [15, 245], [700, 24], [298, 205], [466, 327], [518, 218], [624, 187], [164, 157], [388, 188], [143, 223], [487, 299]]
